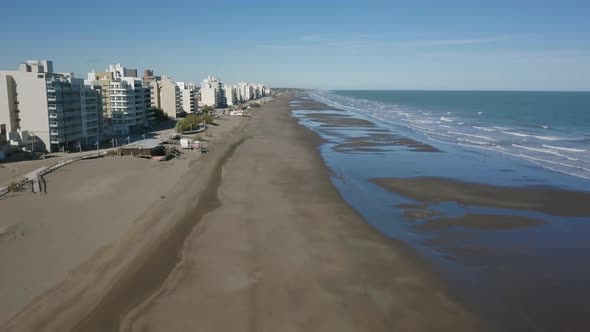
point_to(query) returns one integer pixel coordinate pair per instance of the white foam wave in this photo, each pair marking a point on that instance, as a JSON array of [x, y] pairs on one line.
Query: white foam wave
[[514, 134], [477, 142], [484, 128], [446, 129], [556, 163], [471, 135], [549, 138], [564, 148]]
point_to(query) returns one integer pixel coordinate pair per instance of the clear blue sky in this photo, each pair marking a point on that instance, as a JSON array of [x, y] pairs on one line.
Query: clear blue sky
[[499, 45]]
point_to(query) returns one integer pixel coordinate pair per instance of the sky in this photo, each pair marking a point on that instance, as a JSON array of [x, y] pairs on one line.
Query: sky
[[438, 45]]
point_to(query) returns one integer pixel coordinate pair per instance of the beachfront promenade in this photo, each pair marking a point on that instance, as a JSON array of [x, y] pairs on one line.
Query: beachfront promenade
[[33, 177]]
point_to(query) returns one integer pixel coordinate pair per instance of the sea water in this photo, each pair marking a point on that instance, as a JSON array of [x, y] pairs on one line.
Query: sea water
[[548, 129], [520, 279]]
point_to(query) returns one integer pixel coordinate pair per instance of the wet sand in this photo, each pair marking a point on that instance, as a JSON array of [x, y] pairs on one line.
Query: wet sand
[[331, 120], [312, 104], [481, 221], [543, 199], [383, 140]]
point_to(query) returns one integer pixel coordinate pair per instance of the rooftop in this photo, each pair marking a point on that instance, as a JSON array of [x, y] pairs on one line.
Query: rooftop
[[144, 143]]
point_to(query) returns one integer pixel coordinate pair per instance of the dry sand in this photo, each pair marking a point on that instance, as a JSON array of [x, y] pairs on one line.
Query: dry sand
[[10, 171], [258, 239], [88, 205]]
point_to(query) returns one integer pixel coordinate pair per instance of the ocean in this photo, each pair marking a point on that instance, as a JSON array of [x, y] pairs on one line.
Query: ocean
[[521, 268], [548, 129]]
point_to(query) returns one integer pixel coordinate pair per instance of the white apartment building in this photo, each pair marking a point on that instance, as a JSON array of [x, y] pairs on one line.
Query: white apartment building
[[42, 109], [212, 93], [121, 71], [245, 92], [124, 101], [231, 94], [129, 106], [189, 97]]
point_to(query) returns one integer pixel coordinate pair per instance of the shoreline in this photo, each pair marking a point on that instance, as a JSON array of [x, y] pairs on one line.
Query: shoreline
[[506, 239]]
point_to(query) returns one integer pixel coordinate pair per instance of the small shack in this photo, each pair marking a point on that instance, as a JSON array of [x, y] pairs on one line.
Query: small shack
[[147, 148]]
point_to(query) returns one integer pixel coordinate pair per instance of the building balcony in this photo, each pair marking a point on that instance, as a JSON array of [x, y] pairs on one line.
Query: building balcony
[[53, 116], [54, 133], [53, 125], [51, 99], [51, 90]]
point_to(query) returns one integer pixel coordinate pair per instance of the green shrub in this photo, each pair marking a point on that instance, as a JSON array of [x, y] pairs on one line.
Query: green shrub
[[192, 121], [159, 114]]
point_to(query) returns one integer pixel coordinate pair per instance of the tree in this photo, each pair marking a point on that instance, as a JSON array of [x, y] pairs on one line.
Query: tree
[[159, 114], [192, 122], [208, 109]]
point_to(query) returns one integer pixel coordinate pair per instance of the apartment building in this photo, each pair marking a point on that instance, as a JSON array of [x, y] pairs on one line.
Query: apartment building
[[129, 106], [101, 82], [212, 93], [42, 109], [124, 100], [244, 92], [231, 94], [189, 97], [170, 97], [92, 116]]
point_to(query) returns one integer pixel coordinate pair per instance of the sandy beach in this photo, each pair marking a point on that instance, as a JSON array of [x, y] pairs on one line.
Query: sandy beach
[[253, 236], [88, 206]]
